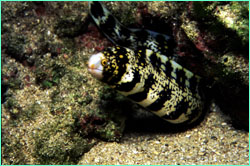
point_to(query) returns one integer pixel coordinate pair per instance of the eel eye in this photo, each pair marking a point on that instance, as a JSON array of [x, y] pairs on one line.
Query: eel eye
[[104, 62]]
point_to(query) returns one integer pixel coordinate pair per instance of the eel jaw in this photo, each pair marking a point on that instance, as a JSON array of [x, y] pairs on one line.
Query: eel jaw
[[95, 67]]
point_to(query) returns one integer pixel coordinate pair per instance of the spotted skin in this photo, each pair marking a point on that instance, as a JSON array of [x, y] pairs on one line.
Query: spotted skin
[[128, 37], [139, 70]]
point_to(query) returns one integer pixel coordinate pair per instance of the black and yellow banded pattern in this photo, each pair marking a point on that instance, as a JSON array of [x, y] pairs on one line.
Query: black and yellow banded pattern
[[138, 69], [129, 37], [172, 95]]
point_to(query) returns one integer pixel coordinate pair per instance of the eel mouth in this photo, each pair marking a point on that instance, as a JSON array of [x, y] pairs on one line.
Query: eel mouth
[[97, 73], [95, 67]]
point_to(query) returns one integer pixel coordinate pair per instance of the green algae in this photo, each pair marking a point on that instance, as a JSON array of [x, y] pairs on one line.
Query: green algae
[[47, 103], [220, 18], [12, 149], [31, 112], [71, 111], [57, 141], [48, 74], [70, 26], [236, 16], [15, 45]]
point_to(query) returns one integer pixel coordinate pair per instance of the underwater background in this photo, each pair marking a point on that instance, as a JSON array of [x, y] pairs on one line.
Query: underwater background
[[54, 112]]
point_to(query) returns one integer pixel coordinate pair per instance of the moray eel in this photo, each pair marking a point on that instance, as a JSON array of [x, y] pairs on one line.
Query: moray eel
[[140, 67]]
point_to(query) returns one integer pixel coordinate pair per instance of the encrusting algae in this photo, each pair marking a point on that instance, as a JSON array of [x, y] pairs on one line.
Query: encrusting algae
[[54, 112]]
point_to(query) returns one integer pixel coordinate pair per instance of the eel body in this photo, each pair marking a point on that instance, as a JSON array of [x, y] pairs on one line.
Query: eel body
[[140, 67]]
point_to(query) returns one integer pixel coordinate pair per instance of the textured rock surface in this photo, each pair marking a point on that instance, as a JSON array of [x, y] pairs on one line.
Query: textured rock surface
[[53, 111]]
